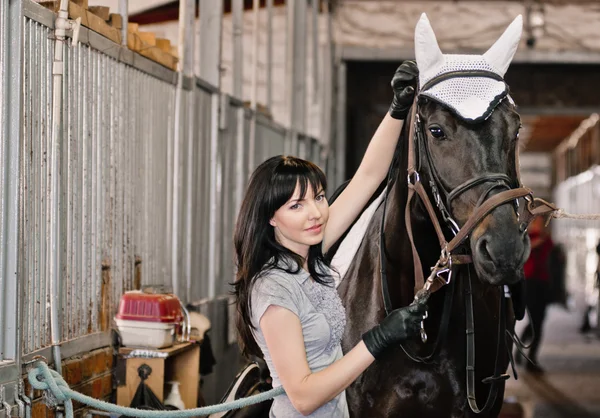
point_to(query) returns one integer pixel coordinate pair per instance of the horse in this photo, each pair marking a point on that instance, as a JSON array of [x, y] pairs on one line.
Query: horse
[[464, 178]]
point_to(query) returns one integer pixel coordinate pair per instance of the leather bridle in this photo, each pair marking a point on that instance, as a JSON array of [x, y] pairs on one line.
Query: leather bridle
[[450, 259]]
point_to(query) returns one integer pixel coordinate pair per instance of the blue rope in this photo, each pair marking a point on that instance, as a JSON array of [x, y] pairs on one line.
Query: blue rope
[[42, 378]]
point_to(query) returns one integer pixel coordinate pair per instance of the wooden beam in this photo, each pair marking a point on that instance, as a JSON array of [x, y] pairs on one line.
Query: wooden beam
[[115, 20], [100, 11], [95, 23], [170, 11]]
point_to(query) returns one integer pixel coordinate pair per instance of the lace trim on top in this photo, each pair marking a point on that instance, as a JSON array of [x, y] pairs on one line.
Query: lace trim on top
[[326, 301]]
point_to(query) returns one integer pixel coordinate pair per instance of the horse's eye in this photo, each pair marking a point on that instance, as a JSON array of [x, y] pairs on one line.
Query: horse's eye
[[437, 132]]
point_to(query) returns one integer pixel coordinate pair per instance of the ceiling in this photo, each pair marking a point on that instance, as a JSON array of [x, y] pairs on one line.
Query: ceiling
[[542, 133]]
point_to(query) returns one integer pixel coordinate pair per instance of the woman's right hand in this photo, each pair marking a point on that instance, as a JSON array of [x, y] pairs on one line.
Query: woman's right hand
[[398, 326]]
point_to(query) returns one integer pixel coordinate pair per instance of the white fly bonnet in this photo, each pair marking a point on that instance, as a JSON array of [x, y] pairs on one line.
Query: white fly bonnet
[[473, 97]]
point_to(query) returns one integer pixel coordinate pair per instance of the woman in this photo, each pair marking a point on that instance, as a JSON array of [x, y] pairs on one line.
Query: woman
[[537, 289], [288, 308]]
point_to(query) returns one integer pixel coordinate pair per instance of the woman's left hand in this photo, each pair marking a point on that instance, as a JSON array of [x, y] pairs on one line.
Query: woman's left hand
[[404, 84]]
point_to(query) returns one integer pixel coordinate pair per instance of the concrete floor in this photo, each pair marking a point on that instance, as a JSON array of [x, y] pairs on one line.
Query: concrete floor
[[570, 386]]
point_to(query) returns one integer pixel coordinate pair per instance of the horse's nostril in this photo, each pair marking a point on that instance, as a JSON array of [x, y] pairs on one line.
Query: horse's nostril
[[483, 250]]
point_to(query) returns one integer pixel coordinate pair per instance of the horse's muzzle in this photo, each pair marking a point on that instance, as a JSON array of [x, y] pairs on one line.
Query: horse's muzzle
[[500, 248]]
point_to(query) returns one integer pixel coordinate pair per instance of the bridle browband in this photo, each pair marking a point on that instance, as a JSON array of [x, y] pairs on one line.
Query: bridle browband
[[441, 274]]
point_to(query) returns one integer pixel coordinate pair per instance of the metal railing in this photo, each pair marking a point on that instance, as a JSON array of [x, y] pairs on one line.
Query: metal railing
[[146, 195], [579, 194]]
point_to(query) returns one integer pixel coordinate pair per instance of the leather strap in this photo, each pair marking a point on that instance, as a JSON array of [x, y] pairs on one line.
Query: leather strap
[[498, 376], [474, 182], [483, 210], [442, 331]]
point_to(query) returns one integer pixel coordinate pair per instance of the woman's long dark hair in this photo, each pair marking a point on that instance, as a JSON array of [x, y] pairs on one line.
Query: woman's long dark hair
[[272, 184]]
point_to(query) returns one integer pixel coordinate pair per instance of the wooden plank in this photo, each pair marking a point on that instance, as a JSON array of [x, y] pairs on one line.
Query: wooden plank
[[102, 12], [148, 37], [54, 5], [115, 20], [169, 351], [181, 365], [184, 368], [132, 27], [164, 44], [95, 23], [163, 58], [155, 381], [135, 43]]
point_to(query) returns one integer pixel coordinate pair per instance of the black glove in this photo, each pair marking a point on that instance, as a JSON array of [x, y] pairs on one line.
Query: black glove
[[398, 326], [404, 84]]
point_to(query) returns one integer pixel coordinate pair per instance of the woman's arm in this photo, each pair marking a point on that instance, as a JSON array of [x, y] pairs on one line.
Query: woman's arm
[[377, 158], [371, 172], [306, 390]]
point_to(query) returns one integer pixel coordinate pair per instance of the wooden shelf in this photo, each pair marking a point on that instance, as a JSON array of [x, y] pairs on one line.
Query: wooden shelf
[[181, 364]]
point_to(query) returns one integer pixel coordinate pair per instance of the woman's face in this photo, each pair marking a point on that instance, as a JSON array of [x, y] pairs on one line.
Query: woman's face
[[300, 223]]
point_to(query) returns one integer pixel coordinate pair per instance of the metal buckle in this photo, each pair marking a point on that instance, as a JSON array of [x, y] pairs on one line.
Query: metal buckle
[[447, 268], [453, 226], [416, 176], [444, 271], [422, 330]]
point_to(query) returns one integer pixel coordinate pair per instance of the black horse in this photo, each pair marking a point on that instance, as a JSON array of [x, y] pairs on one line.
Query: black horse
[[449, 153], [466, 165]]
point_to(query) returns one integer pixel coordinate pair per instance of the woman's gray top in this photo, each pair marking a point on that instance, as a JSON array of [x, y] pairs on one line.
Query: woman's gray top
[[323, 319]]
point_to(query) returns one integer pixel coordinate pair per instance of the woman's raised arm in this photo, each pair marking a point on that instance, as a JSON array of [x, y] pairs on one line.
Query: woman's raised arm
[[377, 159]]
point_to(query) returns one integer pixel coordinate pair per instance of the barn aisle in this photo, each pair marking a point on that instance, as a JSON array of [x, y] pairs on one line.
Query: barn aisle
[[568, 388]]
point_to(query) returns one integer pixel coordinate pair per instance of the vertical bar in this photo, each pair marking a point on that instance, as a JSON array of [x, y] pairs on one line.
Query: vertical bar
[[327, 90], [3, 162], [270, 55], [237, 10], [84, 140], [42, 132], [212, 223], [186, 51], [315, 47], [254, 91], [10, 342], [71, 135], [240, 168], [298, 64], [93, 191], [340, 140], [289, 75], [28, 148], [211, 18], [124, 12], [189, 202]]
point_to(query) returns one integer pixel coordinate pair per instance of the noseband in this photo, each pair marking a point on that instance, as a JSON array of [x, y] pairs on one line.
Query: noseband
[[441, 273]]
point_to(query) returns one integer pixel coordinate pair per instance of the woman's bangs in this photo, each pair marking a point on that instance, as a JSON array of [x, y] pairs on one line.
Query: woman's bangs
[[311, 177], [296, 172]]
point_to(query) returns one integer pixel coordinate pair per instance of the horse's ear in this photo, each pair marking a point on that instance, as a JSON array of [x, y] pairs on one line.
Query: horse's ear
[[427, 51], [502, 52]]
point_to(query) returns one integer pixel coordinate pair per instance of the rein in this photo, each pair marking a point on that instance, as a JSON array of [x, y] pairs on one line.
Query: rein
[[441, 274]]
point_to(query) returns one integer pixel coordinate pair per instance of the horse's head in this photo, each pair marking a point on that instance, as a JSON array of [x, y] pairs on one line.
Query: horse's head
[[467, 147], [462, 152]]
